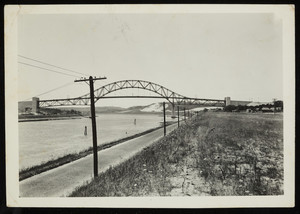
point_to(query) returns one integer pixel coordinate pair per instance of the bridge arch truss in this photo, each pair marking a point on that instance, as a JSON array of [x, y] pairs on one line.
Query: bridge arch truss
[[161, 92]]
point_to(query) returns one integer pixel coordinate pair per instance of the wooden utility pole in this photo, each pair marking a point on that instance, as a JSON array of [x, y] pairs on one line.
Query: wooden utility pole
[[178, 115], [93, 117], [164, 118]]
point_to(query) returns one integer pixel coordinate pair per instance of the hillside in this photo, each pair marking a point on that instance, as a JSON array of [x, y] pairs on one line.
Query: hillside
[[99, 110], [50, 113], [152, 108]]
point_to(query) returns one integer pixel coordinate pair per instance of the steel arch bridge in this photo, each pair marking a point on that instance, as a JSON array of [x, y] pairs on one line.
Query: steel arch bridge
[[161, 92]]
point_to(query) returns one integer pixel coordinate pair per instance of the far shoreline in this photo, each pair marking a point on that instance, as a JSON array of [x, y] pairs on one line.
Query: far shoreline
[[34, 118], [49, 118]]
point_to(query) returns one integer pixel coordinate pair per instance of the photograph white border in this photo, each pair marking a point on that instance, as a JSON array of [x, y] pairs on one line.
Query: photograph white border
[[11, 13]]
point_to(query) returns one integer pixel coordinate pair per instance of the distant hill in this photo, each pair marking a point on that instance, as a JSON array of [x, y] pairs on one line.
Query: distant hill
[[85, 110], [108, 109], [152, 108], [104, 109], [156, 107]]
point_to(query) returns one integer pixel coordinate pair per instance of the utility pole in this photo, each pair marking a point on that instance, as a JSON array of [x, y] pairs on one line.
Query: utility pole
[[93, 117], [164, 118], [178, 115]]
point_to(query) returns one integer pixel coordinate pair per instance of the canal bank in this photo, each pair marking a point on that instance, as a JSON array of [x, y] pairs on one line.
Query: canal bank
[[49, 118]]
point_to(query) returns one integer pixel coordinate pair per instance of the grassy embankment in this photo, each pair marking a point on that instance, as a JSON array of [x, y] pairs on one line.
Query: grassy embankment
[[34, 170], [216, 153]]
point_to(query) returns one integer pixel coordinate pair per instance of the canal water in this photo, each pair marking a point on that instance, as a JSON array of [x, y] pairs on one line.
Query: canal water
[[41, 141]]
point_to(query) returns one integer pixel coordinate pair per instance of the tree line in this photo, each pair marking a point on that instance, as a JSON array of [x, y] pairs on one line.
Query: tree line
[[278, 105]]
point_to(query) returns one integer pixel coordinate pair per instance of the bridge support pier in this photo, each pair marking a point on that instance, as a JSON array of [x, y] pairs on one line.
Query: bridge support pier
[[35, 105], [227, 101]]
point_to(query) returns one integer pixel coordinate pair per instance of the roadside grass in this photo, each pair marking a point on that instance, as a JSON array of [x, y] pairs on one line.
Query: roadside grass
[[45, 166], [214, 153], [242, 154], [147, 173]]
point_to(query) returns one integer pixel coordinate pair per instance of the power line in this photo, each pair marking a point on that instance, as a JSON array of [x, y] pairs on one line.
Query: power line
[[59, 72], [52, 90], [51, 65]]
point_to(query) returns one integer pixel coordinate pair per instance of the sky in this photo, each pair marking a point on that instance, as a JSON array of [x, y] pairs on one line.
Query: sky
[[196, 55]]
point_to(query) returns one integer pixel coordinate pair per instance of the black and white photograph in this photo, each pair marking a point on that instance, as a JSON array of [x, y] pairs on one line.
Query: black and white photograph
[[150, 105]]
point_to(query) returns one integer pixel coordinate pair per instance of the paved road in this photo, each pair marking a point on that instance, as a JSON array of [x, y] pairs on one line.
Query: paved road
[[61, 181]]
